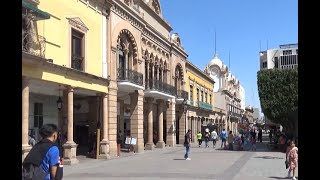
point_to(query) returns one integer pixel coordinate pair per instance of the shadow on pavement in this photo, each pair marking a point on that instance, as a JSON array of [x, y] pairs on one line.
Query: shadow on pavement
[[179, 159], [272, 177], [268, 157]]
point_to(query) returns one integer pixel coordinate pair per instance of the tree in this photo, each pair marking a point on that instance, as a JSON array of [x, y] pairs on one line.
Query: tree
[[278, 93]]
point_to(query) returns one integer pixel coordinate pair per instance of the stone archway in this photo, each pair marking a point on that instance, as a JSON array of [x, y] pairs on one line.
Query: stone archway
[[127, 52]]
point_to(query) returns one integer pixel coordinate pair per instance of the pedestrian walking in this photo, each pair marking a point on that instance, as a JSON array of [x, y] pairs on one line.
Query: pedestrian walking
[[199, 137], [270, 135], [31, 139], [187, 140], [253, 143], [260, 135], [230, 140], [207, 137], [214, 137], [43, 161], [292, 159], [223, 137]]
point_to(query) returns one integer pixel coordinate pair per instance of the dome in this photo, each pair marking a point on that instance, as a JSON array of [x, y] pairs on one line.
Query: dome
[[216, 61]]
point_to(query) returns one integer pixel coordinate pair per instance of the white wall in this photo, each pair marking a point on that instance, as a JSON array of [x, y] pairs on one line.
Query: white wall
[[50, 111]]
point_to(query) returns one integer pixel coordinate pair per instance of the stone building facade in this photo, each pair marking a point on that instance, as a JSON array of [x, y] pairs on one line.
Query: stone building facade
[[226, 92]]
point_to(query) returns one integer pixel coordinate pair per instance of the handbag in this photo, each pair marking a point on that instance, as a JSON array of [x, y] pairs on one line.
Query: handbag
[[287, 164]]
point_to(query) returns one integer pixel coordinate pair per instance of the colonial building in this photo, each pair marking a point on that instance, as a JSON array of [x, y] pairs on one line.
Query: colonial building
[[200, 111], [64, 78], [248, 115], [226, 92]]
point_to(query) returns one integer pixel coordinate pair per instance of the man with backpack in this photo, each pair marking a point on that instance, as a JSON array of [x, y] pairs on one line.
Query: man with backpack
[[43, 161], [223, 136]]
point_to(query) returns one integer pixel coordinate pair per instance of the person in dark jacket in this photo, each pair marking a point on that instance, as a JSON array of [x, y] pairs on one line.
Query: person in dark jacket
[[45, 154]]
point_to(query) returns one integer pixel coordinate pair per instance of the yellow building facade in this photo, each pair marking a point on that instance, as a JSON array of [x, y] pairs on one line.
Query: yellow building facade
[[200, 112], [64, 71]]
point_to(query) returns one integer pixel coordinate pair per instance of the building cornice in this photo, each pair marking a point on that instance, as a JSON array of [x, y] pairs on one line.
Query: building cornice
[[196, 71], [163, 22]]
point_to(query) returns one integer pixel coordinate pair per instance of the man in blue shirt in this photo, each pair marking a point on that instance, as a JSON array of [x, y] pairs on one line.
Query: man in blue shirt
[[43, 160], [51, 159]]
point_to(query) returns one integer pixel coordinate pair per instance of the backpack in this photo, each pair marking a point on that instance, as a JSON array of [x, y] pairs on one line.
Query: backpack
[[32, 172], [31, 166]]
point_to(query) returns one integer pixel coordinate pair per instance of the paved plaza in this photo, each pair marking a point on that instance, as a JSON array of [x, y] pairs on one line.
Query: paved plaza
[[206, 163]]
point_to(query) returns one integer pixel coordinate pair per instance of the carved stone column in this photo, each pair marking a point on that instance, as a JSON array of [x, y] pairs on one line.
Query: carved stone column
[[150, 145], [104, 144], [25, 117], [160, 143], [70, 147], [171, 126]]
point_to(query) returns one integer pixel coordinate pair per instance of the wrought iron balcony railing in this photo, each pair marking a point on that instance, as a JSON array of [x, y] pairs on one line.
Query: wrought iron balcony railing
[[161, 87], [182, 94], [130, 75], [204, 105], [77, 62], [234, 114], [33, 44]]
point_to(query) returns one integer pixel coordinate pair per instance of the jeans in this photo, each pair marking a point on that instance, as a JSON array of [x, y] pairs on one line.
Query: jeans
[[207, 140], [214, 142], [187, 151], [200, 141]]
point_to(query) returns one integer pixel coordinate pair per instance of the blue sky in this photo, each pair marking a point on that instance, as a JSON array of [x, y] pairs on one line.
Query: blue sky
[[240, 26]]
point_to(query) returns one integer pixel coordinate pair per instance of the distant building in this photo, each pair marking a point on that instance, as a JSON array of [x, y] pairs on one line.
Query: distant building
[[256, 114], [285, 57]]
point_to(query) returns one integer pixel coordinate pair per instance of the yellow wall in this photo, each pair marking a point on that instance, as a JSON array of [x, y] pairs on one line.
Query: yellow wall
[[52, 75], [199, 79], [56, 31]]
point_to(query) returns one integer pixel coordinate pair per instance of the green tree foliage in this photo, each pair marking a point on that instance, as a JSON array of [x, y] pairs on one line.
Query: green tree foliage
[[278, 93]]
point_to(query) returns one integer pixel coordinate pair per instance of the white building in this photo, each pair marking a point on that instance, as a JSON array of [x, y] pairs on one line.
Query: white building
[[242, 94], [285, 57], [256, 114], [227, 93]]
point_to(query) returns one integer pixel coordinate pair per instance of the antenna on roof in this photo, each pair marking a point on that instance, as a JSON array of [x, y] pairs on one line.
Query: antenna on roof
[[260, 44], [229, 62], [215, 41]]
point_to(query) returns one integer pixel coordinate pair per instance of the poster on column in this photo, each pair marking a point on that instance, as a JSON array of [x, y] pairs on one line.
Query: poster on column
[[133, 141], [128, 140]]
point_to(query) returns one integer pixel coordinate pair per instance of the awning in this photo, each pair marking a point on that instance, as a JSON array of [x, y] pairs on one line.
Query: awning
[[38, 12]]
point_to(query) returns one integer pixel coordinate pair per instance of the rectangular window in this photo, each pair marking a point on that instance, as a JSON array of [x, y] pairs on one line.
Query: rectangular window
[[191, 93], [276, 64], [296, 51], [210, 98], [77, 50], [206, 97], [201, 96], [197, 95], [287, 52], [38, 115]]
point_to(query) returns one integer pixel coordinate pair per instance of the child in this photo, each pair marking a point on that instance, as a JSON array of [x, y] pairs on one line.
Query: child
[[253, 142], [292, 158]]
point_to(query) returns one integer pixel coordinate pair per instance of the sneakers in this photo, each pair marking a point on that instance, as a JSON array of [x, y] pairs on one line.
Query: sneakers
[[188, 159], [294, 178]]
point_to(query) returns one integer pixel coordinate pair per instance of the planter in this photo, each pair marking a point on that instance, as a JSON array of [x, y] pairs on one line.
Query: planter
[[236, 147]]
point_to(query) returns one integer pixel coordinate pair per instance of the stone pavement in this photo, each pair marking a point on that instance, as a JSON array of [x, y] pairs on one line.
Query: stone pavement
[[206, 163]]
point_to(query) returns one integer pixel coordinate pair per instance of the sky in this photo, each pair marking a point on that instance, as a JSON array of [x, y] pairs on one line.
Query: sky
[[240, 26]]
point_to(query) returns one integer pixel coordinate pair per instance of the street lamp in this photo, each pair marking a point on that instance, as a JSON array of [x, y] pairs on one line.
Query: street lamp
[[59, 101]]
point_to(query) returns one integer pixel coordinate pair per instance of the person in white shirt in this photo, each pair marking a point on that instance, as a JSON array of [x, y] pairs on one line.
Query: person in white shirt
[[214, 137]]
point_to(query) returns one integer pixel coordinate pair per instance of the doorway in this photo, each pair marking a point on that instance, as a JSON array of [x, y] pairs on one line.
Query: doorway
[[82, 139]]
